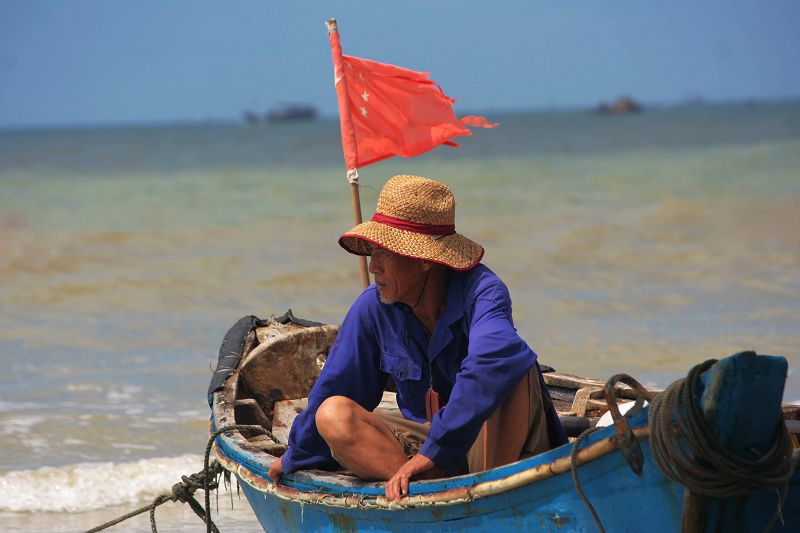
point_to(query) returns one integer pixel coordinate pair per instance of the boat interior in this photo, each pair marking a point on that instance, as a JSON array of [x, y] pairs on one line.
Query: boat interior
[[282, 361]]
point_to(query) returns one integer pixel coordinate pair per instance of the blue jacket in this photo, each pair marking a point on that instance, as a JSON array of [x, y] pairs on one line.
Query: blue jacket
[[474, 359]]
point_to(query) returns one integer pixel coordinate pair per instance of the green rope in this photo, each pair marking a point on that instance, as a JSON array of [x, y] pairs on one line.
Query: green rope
[[207, 479], [258, 430], [125, 517], [183, 492], [573, 459], [623, 446], [693, 456]]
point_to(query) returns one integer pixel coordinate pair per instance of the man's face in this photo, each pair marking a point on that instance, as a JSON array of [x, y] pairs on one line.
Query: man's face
[[398, 278]]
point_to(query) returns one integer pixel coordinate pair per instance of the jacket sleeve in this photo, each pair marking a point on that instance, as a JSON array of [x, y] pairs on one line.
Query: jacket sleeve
[[352, 370], [497, 358]]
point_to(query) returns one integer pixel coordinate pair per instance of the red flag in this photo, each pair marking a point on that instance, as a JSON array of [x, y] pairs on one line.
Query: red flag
[[386, 110]]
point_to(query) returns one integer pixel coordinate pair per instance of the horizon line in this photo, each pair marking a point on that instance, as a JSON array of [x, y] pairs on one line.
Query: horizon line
[[327, 117]]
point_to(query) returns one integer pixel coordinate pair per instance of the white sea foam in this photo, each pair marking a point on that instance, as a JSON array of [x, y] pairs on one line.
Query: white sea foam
[[88, 486], [131, 446], [9, 407], [20, 424], [191, 414], [124, 394], [84, 387]]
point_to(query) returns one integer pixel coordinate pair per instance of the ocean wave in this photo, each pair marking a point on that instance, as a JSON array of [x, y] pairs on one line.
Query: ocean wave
[[89, 486], [20, 424]]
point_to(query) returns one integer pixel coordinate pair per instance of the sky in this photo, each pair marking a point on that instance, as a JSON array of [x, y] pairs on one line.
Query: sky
[[87, 62]]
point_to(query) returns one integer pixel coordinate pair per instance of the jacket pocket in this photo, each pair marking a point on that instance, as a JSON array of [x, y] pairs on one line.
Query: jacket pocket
[[402, 367]]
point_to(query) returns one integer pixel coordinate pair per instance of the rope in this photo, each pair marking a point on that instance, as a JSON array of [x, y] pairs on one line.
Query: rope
[[626, 442], [230, 427], [122, 518], [183, 491], [573, 458], [207, 479], [691, 454]]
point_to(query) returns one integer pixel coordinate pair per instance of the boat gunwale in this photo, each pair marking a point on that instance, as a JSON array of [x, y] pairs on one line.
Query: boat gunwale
[[250, 463], [452, 496]]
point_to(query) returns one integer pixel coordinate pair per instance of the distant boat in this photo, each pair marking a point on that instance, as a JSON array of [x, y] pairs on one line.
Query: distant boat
[[267, 367], [621, 106], [251, 117], [290, 111], [281, 113]]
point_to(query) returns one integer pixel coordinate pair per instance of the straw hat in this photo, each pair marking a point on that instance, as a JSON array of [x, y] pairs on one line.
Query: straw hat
[[415, 217]]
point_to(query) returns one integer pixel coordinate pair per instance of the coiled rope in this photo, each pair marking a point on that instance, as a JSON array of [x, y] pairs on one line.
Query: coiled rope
[[206, 479], [691, 454], [686, 450]]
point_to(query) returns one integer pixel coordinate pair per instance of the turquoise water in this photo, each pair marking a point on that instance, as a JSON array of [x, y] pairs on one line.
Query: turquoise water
[[641, 244]]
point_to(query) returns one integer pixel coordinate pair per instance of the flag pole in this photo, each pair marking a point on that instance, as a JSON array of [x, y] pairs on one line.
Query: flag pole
[[348, 133]]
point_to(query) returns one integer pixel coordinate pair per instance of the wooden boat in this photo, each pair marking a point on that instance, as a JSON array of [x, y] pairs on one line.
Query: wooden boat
[[267, 367]]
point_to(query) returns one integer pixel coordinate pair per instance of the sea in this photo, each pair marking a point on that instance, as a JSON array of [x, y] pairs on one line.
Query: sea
[[644, 243]]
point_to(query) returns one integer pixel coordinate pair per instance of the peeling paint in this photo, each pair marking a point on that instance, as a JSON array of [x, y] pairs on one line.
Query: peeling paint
[[342, 523], [559, 520], [455, 496]]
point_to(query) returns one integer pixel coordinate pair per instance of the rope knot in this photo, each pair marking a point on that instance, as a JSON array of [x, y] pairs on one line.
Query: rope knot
[[185, 489]]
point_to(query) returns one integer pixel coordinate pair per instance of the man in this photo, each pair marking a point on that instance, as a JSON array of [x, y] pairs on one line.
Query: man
[[438, 323]]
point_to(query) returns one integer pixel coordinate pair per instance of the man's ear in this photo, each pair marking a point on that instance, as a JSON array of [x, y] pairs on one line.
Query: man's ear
[[425, 265]]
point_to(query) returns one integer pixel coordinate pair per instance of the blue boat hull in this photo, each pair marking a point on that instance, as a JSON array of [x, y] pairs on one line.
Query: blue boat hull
[[623, 500], [741, 394]]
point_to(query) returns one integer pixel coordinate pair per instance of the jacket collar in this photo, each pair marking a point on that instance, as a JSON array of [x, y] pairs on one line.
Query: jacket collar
[[453, 313]]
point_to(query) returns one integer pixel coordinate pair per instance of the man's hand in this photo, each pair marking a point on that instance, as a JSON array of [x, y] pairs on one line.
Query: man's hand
[[397, 486], [275, 471]]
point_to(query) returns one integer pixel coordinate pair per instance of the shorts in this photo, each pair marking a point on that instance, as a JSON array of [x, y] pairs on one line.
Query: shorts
[[517, 429]]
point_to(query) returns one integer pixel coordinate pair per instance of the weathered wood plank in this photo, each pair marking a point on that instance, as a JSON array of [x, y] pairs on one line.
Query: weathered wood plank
[[284, 414], [249, 412]]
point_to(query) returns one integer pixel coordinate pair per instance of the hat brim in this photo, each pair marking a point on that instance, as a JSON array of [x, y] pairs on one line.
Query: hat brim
[[455, 250]]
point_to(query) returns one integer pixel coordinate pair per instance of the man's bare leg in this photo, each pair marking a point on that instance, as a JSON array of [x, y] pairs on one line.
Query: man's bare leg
[[359, 440]]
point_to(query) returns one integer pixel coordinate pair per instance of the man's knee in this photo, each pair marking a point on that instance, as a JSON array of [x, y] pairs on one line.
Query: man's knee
[[334, 416]]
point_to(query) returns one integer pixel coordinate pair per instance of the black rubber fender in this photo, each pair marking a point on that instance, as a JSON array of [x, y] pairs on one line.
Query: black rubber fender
[[231, 351]]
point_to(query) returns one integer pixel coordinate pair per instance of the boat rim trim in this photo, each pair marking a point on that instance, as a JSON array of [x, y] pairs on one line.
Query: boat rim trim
[[449, 497]]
